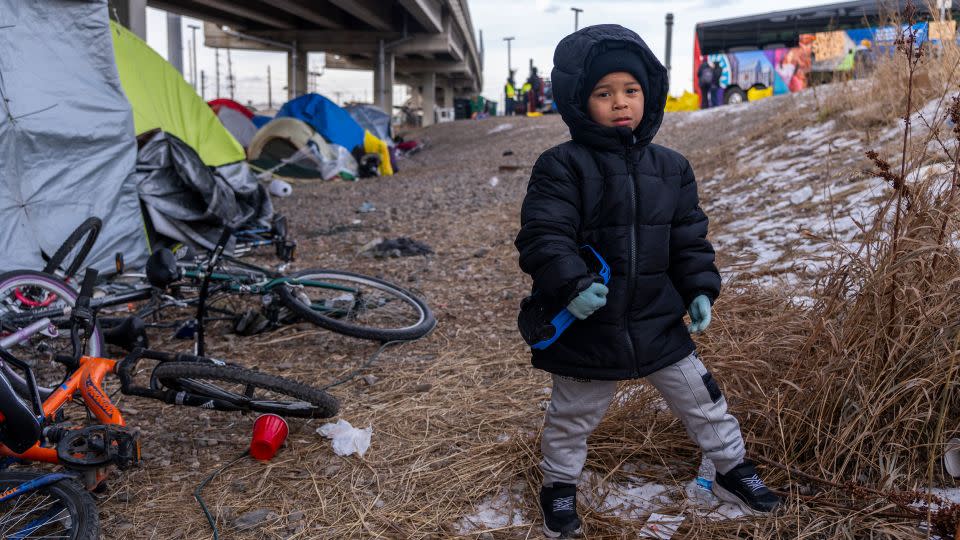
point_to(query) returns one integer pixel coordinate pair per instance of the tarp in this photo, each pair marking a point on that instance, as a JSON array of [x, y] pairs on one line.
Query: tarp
[[336, 126], [327, 118], [373, 119], [190, 202], [238, 125], [687, 102], [219, 103], [67, 141], [161, 98]]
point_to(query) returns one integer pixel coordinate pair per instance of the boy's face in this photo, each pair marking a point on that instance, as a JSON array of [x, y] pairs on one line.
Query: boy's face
[[616, 101]]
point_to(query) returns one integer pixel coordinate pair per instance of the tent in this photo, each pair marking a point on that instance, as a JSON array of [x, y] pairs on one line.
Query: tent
[[261, 120], [238, 125], [183, 178], [220, 103], [373, 119], [67, 146], [162, 99], [337, 126], [290, 148]]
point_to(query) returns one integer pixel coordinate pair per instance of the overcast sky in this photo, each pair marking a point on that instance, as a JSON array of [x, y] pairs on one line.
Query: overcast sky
[[537, 26]]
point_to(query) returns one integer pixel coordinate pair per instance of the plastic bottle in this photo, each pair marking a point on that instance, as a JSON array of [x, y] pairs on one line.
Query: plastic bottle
[[706, 474], [700, 488]]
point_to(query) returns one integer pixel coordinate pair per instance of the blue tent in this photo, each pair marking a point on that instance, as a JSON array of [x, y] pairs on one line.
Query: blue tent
[[260, 120], [332, 122]]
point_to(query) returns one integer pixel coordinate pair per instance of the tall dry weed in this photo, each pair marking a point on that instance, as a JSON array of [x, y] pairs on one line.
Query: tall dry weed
[[873, 393]]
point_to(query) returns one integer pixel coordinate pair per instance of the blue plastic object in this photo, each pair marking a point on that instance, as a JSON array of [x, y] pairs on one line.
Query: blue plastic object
[[564, 319]]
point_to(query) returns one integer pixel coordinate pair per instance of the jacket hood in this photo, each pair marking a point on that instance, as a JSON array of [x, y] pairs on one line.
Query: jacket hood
[[570, 63]]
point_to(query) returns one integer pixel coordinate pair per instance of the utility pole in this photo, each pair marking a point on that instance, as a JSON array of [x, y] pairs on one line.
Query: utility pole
[[203, 85], [269, 90], [216, 56], [230, 82], [669, 43], [194, 29], [576, 18], [509, 65], [189, 74]]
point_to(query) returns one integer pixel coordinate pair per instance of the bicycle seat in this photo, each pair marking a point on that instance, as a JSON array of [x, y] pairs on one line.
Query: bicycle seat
[[162, 268], [19, 429]]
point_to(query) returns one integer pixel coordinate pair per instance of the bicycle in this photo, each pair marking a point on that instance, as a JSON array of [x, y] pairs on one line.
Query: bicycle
[[177, 378], [46, 505], [347, 303]]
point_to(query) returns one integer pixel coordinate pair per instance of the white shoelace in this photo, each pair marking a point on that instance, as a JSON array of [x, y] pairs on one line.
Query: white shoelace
[[754, 483], [564, 504]]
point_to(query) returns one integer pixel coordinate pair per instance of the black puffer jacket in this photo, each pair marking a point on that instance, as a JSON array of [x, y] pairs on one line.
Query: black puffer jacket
[[636, 203]]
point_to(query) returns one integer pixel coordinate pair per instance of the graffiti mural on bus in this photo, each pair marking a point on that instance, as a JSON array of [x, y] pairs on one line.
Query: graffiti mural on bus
[[759, 68]]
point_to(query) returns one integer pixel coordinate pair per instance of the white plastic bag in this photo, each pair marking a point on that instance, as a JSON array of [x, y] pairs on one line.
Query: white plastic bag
[[346, 438]]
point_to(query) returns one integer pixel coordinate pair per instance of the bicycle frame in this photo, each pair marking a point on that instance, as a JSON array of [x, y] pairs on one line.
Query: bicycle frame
[[87, 381]]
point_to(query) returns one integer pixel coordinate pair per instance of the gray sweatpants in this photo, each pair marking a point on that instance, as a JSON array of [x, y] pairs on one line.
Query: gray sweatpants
[[576, 407]]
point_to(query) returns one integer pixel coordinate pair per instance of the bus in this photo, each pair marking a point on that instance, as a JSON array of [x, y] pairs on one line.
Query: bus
[[787, 51]]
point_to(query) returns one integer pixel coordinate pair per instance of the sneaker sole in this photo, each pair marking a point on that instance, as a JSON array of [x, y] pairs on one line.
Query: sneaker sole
[[727, 496], [554, 534]]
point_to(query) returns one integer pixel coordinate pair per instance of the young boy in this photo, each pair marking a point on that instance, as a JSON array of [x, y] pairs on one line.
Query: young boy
[[636, 204]]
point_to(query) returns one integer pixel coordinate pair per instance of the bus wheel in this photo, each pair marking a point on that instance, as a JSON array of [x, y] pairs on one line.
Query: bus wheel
[[733, 95]]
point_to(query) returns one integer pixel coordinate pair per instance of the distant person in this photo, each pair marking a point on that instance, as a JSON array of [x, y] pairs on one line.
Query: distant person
[[535, 94], [716, 92], [705, 82], [524, 101], [662, 267], [510, 96]]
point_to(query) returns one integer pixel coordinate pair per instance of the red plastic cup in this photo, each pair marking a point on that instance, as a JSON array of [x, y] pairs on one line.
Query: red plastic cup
[[269, 432]]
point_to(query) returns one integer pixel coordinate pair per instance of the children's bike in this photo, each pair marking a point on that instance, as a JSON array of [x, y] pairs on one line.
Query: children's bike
[[46, 505]]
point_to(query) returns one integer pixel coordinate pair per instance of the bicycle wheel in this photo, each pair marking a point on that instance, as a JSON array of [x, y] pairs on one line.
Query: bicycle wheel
[[357, 305], [23, 291], [88, 231], [246, 389], [59, 510]]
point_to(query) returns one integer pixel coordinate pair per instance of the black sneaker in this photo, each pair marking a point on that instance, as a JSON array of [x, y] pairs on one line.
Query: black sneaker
[[743, 487], [559, 506]]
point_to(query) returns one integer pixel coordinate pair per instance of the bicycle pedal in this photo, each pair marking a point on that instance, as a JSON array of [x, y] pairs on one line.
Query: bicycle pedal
[[98, 446]]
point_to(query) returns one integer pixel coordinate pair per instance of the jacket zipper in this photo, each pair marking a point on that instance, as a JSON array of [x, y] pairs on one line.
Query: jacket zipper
[[631, 273]]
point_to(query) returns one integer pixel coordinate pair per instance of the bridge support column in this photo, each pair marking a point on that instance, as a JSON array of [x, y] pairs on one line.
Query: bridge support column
[[448, 96], [297, 68], [429, 82], [383, 79], [132, 15]]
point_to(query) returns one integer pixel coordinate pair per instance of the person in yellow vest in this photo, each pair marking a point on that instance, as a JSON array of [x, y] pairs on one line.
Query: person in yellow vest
[[510, 93], [525, 97]]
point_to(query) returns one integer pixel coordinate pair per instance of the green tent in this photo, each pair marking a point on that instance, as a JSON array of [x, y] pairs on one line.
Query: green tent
[[161, 98]]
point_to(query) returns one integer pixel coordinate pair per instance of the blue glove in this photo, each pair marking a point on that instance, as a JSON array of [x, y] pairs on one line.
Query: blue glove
[[591, 299], [699, 314]]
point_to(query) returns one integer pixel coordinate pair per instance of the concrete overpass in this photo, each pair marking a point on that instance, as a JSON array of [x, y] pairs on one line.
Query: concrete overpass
[[429, 45]]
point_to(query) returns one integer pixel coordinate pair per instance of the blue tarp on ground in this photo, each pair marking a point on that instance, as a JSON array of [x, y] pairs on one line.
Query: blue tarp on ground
[[332, 122]]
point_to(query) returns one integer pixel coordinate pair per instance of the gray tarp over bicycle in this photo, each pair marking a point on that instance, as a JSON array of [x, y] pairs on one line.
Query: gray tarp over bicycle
[[191, 202], [67, 143]]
